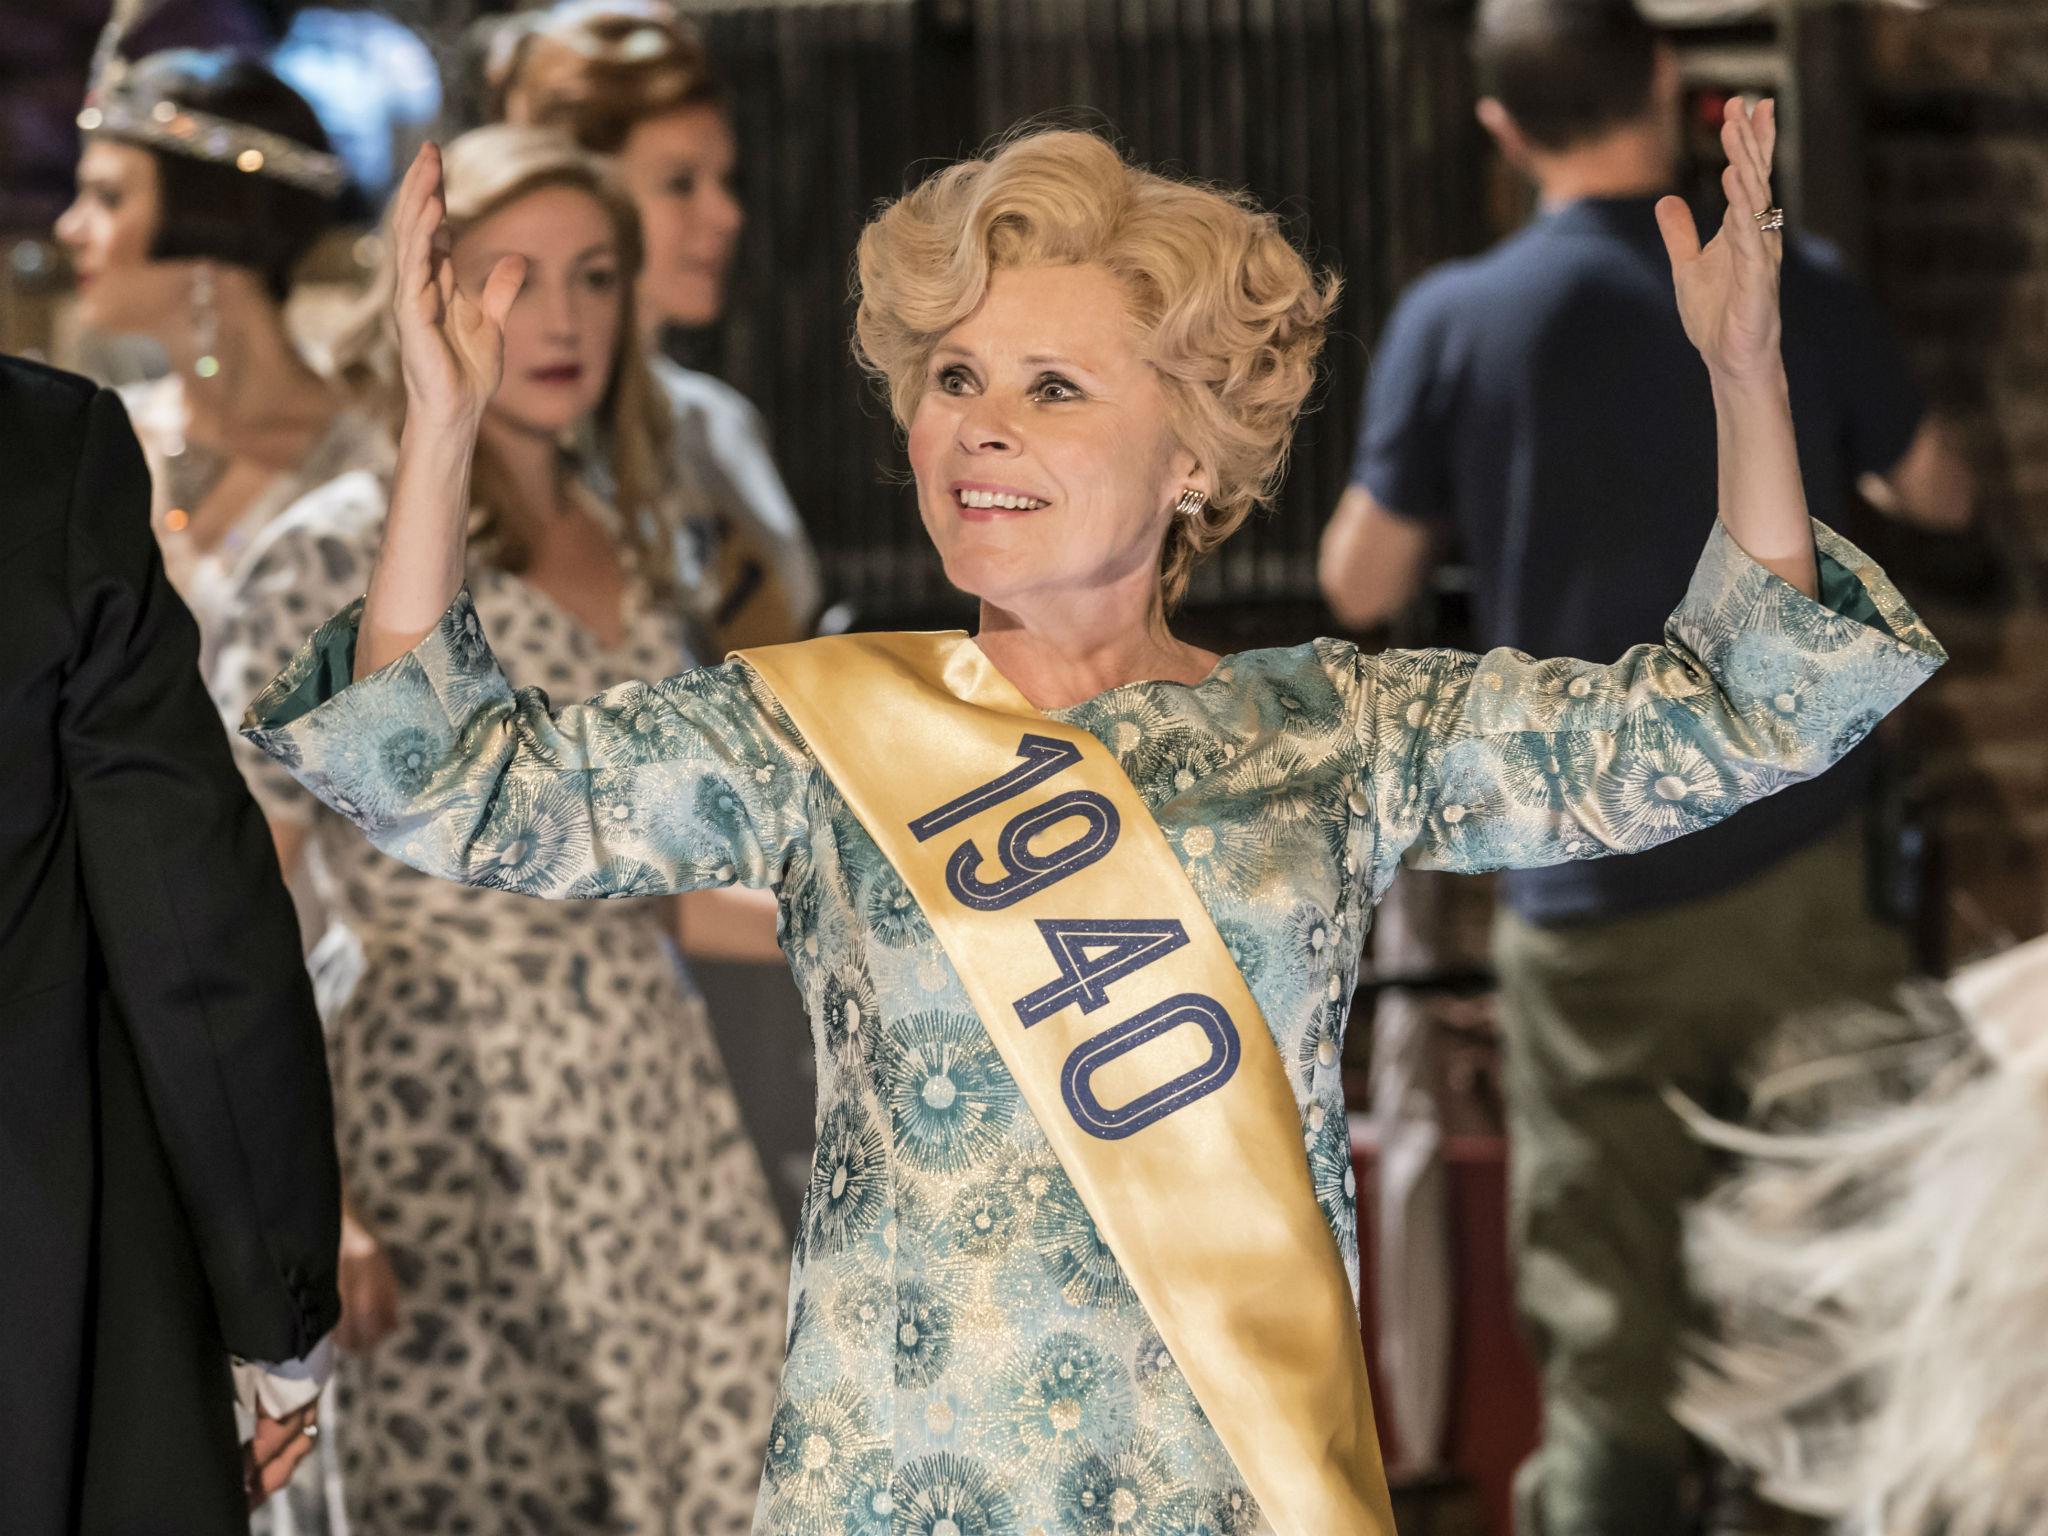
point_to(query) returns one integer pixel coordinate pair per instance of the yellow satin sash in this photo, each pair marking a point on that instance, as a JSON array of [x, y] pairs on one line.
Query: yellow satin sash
[[1131, 1035]]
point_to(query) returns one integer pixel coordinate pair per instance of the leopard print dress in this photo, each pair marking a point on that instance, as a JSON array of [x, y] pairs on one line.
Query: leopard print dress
[[535, 1121]]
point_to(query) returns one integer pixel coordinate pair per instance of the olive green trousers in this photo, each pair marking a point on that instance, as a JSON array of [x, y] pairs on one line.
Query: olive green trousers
[[1598, 1020]]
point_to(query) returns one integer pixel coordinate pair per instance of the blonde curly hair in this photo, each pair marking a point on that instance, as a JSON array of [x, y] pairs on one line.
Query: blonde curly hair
[[1227, 310]]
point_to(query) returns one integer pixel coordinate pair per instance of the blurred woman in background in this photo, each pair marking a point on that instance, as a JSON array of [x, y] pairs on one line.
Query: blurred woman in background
[[553, 1215], [629, 79], [204, 181]]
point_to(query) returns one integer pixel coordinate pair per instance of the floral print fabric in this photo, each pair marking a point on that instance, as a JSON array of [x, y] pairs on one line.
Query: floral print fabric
[[965, 1354]]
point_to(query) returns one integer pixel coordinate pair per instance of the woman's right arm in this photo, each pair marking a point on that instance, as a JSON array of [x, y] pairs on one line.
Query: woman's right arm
[[648, 789], [397, 715], [452, 353]]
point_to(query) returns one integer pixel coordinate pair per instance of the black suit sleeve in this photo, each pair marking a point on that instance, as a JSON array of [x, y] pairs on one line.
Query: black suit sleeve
[[193, 922]]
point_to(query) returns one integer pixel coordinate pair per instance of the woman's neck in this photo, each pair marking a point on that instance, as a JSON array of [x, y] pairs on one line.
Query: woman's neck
[[1063, 651], [653, 330], [259, 397]]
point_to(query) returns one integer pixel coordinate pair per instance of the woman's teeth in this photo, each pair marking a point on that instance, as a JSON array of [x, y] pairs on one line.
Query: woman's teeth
[[989, 499]]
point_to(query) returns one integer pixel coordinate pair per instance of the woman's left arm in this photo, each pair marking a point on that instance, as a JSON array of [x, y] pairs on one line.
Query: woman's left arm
[[1506, 762]]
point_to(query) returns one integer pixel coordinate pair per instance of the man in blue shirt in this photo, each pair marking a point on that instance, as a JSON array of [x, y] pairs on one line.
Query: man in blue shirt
[[1541, 406]]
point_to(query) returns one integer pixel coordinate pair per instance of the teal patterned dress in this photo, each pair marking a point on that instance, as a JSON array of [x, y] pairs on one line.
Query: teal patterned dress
[[966, 1358]]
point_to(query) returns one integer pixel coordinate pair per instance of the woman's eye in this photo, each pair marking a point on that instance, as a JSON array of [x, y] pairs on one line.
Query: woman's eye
[[955, 380], [1056, 389], [683, 184], [601, 281]]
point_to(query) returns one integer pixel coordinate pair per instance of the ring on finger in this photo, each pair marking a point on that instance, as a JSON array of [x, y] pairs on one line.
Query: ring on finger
[[1770, 219]]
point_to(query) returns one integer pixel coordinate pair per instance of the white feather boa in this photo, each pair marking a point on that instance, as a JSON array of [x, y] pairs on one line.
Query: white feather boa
[[1880, 1291]]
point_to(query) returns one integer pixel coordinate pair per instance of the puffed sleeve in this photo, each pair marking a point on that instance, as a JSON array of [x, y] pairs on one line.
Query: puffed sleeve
[[1502, 761], [650, 788]]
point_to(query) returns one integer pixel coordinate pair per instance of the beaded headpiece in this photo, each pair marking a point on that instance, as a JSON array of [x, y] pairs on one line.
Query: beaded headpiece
[[111, 108]]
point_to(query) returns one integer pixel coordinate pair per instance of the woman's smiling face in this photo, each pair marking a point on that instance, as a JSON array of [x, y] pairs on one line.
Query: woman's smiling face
[[1046, 461]]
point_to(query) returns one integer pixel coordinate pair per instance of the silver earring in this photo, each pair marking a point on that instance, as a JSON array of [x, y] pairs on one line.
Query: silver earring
[[205, 322], [1190, 503]]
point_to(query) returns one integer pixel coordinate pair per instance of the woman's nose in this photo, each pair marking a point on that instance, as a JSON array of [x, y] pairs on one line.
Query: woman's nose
[[557, 312], [983, 429], [724, 211]]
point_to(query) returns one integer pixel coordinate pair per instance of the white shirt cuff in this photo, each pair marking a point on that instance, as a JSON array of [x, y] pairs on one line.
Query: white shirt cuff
[[278, 1390]]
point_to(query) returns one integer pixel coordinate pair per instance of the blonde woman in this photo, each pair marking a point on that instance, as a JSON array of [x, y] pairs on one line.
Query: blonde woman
[[1076, 905], [561, 1270], [630, 80]]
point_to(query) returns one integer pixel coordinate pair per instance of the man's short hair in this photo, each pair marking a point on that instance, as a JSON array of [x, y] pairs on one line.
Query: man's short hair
[[1566, 70]]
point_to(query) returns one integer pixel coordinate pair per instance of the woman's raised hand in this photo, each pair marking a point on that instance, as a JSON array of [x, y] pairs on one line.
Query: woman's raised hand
[[451, 344], [1728, 292]]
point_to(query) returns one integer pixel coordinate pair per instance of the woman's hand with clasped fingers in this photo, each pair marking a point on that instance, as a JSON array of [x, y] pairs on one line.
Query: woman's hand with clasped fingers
[[1728, 292], [451, 344]]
